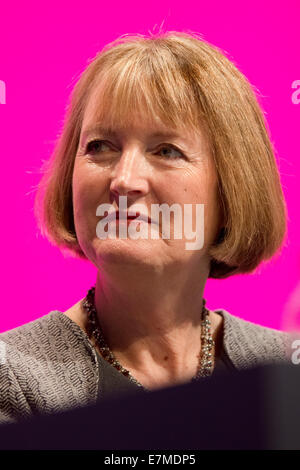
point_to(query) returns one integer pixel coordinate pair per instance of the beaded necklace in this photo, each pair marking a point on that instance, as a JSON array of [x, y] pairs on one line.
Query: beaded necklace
[[205, 366]]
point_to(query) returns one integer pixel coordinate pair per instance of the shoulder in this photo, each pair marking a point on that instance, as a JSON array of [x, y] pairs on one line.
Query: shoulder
[[47, 364], [51, 337], [53, 330], [249, 344]]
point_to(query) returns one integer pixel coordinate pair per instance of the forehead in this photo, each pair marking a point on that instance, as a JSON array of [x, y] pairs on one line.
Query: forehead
[[97, 122], [117, 131], [113, 119], [112, 113], [97, 116]]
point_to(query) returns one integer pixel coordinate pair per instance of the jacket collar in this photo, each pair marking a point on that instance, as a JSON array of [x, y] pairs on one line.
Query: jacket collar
[[246, 344]]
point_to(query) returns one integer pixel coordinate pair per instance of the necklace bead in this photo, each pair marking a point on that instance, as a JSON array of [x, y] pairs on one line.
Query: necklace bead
[[205, 366]]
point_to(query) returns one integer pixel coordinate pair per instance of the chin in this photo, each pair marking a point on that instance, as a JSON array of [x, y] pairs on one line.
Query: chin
[[127, 251]]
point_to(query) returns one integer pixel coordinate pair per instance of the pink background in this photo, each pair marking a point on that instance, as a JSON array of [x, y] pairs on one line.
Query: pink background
[[43, 48]]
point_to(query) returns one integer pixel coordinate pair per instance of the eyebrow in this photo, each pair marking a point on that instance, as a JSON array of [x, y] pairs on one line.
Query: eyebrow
[[109, 132]]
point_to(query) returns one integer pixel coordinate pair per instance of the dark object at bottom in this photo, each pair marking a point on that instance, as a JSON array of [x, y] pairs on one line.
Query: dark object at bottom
[[253, 409]]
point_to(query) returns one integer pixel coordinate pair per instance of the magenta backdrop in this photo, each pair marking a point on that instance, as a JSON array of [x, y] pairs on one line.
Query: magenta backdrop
[[43, 48]]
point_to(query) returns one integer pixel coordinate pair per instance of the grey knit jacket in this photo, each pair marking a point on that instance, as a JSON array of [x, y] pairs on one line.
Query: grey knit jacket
[[49, 364]]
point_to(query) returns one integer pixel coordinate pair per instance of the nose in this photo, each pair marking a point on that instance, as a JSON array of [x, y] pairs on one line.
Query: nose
[[129, 177]]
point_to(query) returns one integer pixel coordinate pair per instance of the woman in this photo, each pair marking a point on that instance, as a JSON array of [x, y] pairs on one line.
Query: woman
[[145, 324]]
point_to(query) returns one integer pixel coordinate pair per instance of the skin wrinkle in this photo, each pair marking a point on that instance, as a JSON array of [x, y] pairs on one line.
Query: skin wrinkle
[[148, 292]]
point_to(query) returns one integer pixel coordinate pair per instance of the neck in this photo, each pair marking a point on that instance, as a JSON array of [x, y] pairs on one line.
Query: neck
[[153, 331]]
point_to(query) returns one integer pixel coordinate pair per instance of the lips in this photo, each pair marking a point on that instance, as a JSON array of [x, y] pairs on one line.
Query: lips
[[117, 215], [129, 217], [143, 217]]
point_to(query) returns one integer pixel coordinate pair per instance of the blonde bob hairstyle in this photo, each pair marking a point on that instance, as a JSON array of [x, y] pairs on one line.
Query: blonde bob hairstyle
[[184, 81]]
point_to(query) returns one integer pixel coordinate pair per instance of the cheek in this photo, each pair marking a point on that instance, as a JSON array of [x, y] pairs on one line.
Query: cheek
[[86, 196], [205, 191], [87, 187], [212, 215], [80, 196]]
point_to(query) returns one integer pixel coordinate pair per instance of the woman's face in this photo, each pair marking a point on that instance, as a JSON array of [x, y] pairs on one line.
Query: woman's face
[[149, 164]]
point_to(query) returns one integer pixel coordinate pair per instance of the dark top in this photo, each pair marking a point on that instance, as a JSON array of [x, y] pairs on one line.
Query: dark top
[[112, 382], [51, 365]]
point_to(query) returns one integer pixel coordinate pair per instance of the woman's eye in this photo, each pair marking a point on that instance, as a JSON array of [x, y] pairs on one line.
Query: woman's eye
[[170, 148], [94, 146]]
